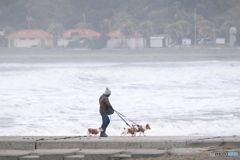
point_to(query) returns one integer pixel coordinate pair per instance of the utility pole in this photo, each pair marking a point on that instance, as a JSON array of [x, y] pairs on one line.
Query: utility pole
[[214, 35], [29, 19], [84, 21], [109, 25], [177, 3], [195, 28]]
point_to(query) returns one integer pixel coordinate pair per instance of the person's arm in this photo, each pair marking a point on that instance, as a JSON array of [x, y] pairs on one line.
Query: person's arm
[[107, 102]]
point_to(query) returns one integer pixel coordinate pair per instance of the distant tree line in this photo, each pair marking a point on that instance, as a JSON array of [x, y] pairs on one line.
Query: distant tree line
[[147, 17]]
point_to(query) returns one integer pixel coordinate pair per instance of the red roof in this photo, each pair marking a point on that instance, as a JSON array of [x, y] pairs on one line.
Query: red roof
[[117, 33], [29, 34], [82, 33]]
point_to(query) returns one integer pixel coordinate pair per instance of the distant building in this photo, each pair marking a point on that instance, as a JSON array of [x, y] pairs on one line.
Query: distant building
[[160, 41], [220, 41], [29, 38], [186, 42], [79, 35], [118, 40], [2, 33]]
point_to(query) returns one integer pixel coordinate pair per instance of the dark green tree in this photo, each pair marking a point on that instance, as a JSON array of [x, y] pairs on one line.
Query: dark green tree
[[146, 29], [225, 28], [174, 30], [56, 30]]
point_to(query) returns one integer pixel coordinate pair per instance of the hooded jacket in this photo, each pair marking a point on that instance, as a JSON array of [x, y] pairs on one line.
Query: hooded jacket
[[104, 104]]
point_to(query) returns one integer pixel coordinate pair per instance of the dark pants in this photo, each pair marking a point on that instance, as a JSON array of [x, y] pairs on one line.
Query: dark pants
[[105, 121]]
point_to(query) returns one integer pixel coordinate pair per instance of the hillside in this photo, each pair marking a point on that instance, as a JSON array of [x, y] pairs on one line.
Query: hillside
[[149, 17]]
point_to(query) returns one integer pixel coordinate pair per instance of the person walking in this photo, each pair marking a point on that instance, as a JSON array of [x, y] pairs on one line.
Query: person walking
[[105, 110]]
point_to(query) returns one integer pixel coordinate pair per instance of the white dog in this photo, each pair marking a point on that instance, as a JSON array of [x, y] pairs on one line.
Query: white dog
[[142, 129]]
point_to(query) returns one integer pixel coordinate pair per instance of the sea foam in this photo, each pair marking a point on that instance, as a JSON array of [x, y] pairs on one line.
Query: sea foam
[[175, 98]]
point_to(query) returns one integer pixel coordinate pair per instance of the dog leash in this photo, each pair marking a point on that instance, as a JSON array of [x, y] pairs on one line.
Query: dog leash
[[121, 115]]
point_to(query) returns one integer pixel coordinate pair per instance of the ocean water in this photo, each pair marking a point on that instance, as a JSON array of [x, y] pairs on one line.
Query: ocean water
[[175, 98]]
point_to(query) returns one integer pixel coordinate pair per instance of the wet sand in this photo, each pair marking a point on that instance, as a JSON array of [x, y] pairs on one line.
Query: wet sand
[[120, 55]]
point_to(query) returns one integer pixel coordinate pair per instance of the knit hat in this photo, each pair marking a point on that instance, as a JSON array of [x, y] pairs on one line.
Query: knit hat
[[107, 92]]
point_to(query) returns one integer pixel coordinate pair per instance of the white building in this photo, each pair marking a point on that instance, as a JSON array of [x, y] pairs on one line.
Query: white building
[[160, 41], [186, 42], [220, 41], [29, 38], [117, 40]]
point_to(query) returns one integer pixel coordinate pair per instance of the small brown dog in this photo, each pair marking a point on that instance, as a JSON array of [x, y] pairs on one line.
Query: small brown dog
[[131, 131], [94, 131]]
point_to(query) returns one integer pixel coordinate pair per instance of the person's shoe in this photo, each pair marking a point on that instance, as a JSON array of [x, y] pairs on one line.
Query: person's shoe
[[103, 135]]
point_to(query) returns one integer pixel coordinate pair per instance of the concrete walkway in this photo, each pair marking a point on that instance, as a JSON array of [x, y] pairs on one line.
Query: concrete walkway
[[91, 148]]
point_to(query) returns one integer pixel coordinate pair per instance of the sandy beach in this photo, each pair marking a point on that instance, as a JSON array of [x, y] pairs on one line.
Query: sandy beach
[[121, 55]]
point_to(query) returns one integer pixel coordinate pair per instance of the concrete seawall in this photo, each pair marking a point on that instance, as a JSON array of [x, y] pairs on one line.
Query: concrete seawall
[[90, 148]]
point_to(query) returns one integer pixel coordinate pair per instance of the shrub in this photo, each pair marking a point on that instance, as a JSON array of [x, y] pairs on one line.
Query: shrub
[[99, 43]]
